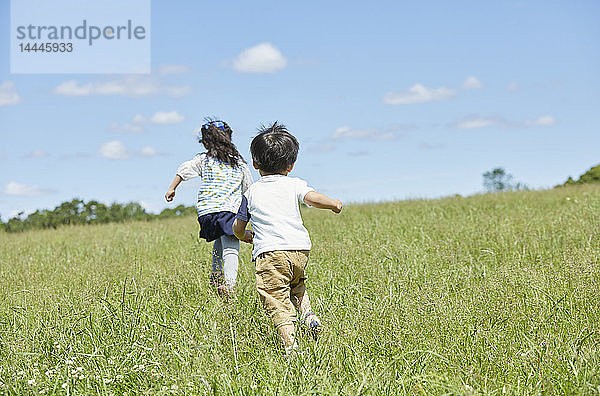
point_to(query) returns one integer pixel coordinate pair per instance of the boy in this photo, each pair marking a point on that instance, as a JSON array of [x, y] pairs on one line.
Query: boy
[[281, 243]]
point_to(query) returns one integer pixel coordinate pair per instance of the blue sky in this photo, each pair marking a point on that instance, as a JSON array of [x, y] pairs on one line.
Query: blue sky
[[389, 100]]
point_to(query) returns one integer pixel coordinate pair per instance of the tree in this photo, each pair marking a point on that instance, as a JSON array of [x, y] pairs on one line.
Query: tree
[[498, 180], [77, 211], [592, 175]]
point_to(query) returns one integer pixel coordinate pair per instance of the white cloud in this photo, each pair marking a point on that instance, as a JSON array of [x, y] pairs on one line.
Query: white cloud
[[430, 146], [513, 86], [546, 120], [148, 152], [135, 86], [418, 94], [345, 132], [149, 207], [24, 190], [114, 150], [165, 70], [8, 94], [476, 122], [137, 123], [262, 58], [138, 119], [472, 82], [37, 154], [164, 118], [126, 128]]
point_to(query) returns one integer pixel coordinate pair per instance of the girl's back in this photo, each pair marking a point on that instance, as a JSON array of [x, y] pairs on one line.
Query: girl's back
[[222, 185]]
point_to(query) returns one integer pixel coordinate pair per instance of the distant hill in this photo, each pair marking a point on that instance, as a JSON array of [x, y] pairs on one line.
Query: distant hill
[[591, 176]]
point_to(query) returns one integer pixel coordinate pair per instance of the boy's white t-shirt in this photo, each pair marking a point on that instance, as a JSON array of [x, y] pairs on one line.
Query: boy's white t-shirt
[[272, 205]]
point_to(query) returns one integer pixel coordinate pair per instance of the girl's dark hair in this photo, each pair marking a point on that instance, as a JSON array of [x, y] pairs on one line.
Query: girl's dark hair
[[216, 138], [274, 149]]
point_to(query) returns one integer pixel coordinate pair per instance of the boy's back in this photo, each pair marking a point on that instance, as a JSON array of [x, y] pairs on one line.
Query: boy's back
[[272, 206]]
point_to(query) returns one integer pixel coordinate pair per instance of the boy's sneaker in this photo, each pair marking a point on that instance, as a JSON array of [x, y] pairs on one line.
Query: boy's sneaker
[[292, 351], [312, 323]]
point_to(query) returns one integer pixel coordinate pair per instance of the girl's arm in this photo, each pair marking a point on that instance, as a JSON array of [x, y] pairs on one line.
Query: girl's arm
[[187, 170], [321, 201], [171, 192], [246, 179]]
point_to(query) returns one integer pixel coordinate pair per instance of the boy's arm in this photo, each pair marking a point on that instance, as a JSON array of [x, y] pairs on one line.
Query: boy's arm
[[239, 224], [240, 231], [321, 201], [171, 192]]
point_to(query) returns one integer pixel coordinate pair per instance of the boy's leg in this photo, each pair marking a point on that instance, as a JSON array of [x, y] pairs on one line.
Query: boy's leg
[[298, 293], [231, 252], [273, 277], [301, 301], [288, 337], [299, 296], [216, 275]]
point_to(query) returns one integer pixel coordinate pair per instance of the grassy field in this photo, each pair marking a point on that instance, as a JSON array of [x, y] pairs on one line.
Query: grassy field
[[494, 294]]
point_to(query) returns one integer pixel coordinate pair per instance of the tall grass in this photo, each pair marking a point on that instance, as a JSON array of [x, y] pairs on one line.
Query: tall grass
[[487, 294]]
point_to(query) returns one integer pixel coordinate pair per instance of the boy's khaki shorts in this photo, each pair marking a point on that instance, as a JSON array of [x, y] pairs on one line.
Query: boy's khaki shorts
[[279, 277]]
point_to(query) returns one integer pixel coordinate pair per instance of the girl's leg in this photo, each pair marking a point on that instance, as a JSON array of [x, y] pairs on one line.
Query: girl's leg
[[216, 275], [231, 252]]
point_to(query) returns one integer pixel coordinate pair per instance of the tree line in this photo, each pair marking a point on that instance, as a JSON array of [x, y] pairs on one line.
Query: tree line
[[92, 212]]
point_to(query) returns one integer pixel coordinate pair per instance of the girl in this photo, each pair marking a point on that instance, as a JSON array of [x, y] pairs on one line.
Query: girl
[[225, 177]]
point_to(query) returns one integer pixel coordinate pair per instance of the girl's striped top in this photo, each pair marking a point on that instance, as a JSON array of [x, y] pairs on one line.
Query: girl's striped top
[[222, 185]]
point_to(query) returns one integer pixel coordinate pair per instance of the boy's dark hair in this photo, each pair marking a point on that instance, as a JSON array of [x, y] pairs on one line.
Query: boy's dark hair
[[274, 149], [216, 138]]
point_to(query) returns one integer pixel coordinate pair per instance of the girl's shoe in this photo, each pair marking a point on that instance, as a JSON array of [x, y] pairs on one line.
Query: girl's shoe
[[216, 279], [225, 292]]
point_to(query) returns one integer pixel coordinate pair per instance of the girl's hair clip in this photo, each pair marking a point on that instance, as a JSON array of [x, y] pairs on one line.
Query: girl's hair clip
[[218, 124]]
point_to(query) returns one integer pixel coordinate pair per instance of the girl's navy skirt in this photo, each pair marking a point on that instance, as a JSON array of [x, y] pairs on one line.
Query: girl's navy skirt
[[215, 225]]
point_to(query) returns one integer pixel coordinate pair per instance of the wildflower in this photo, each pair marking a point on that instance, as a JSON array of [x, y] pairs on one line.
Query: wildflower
[[119, 377], [65, 385], [174, 387], [31, 382], [154, 373], [21, 373]]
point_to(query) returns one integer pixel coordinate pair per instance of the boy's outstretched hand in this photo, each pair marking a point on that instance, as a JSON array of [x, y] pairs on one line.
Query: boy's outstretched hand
[[318, 200], [338, 206]]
